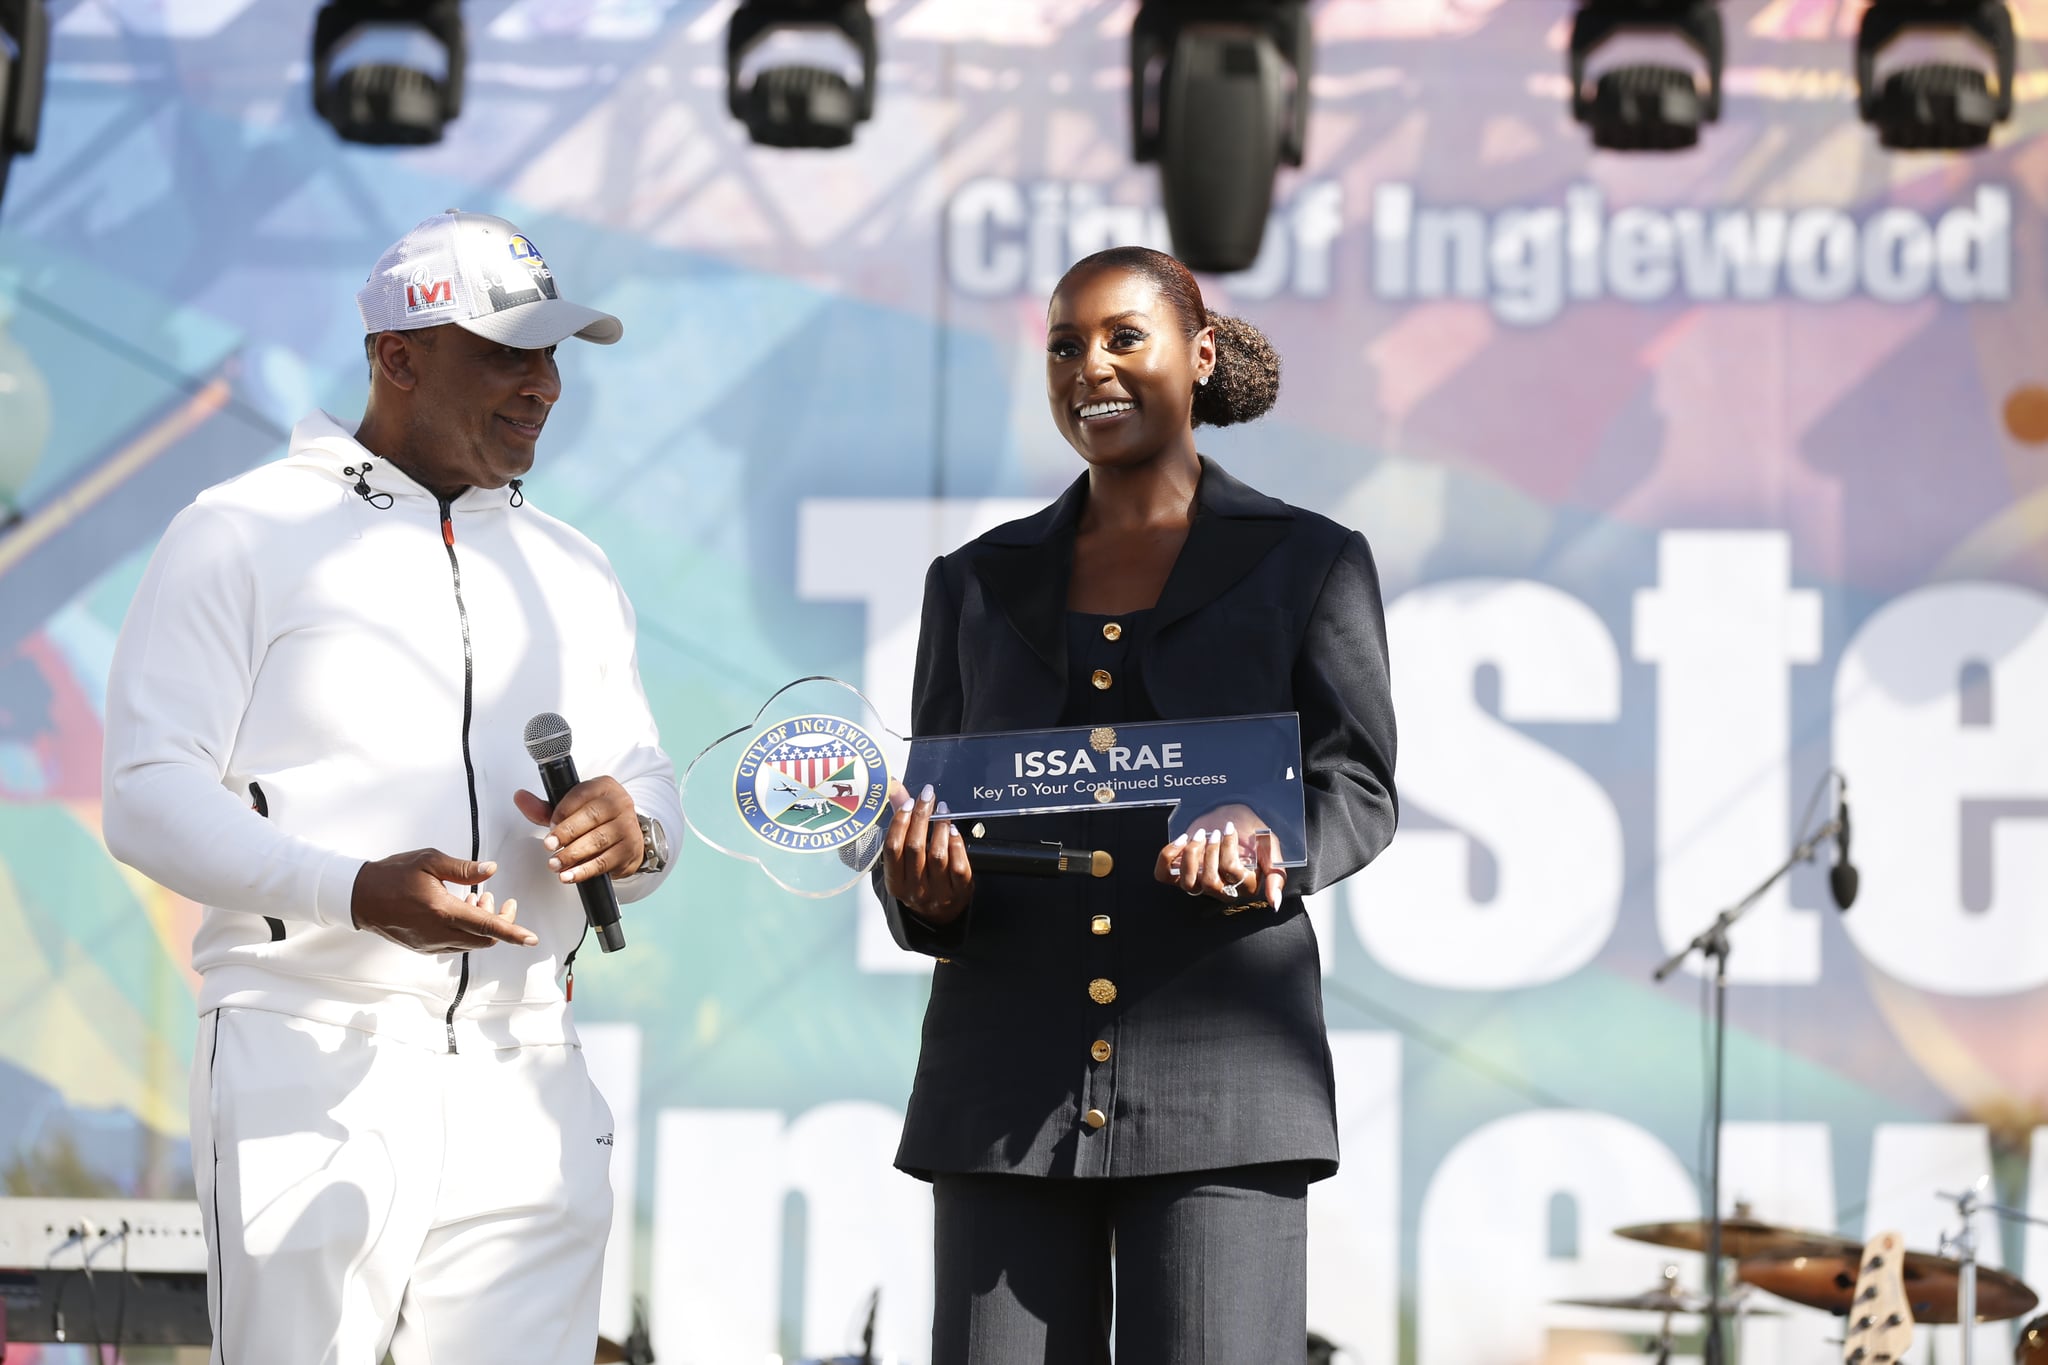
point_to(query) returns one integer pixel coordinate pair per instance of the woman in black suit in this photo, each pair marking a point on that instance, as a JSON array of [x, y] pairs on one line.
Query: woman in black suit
[[1132, 1064]]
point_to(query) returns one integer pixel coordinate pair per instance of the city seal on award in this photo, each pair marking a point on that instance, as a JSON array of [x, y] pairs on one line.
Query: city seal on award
[[801, 790], [811, 783]]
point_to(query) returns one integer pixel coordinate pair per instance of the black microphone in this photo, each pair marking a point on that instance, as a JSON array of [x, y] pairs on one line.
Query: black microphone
[[1019, 859], [1003, 856], [1842, 877], [547, 741]]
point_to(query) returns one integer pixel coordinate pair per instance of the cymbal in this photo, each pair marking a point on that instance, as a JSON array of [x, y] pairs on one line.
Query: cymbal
[[1828, 1281], [1668, 1301], [1743, 1238], [609, 1352]]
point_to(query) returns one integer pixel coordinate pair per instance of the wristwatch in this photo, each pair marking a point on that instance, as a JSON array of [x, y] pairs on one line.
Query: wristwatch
[[655, 858]]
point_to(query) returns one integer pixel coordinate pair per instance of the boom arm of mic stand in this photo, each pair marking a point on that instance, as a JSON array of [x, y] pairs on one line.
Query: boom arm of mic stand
[[1709, 939], [1712, 942]]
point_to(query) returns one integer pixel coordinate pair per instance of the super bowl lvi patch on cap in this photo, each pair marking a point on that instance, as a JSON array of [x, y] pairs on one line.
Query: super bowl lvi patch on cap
[[480, 273]]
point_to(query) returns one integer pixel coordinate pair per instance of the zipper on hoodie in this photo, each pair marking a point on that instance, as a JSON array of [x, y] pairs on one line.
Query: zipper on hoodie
[[468, 763]]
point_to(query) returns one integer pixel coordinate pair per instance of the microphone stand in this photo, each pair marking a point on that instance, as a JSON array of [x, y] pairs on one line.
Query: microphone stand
[[1712, 942]]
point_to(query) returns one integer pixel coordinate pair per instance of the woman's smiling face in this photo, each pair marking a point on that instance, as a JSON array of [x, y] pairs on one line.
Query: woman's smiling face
[[1120, 369]]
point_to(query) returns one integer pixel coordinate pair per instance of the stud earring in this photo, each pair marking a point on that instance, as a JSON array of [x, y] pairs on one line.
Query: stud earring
[[1203, 380]]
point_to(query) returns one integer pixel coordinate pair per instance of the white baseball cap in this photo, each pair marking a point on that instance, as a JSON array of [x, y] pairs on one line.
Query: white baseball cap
[[480, 273]]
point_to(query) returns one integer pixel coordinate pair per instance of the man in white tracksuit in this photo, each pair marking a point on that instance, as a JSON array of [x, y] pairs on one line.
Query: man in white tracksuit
[[314, 729]]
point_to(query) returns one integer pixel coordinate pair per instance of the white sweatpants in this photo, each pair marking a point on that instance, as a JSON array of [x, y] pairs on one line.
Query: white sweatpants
[[364, 1194]]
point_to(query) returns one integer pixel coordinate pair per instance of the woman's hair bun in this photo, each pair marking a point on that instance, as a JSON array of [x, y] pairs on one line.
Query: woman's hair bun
[[1246, 380]]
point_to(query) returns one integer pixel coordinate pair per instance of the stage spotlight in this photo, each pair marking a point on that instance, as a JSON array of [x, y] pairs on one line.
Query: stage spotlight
[[24, 62], [388, 72], [1646, 107], [800, 106], [1935, 104], [1219, 98]]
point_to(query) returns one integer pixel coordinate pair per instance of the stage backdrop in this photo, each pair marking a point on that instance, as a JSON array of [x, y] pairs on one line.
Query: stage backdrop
[[1689, 477]]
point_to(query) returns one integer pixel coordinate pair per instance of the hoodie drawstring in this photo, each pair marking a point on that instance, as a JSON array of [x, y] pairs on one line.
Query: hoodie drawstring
[[378, 500], [381, 500]]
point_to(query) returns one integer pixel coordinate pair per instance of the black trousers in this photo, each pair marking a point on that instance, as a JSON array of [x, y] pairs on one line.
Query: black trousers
[[1211, 1268]]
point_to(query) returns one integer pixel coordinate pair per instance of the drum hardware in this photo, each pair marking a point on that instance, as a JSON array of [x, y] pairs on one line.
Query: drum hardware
[[1932, 1285], [1667, 1298], [1964, 1243], [1742, 1237], [1971, 1279], [1670, 1300], [1825, 1271], [2032, 1347]]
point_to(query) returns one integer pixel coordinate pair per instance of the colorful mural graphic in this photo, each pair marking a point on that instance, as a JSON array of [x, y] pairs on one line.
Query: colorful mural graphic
[[1690, 478]]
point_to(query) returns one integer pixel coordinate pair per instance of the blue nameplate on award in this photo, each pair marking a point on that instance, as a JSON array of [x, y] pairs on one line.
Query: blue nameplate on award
[[1236, 768], [802, 790]]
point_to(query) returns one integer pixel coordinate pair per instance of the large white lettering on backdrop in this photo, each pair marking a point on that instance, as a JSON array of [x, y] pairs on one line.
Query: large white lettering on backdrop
[[1527, 262], [1555, 898], [1523, 1207], [1941, 798], [1004, 238], [1942, 789], [1724, 627]]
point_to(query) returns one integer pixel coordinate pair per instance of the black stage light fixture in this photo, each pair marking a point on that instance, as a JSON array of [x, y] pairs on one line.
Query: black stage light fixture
[[387, 103], [24, 64], [800, 106], [1644, 106], [1219, 98], [1935, 105]]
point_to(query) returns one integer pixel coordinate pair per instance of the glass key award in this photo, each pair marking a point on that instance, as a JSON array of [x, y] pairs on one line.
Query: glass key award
[[802, 790]]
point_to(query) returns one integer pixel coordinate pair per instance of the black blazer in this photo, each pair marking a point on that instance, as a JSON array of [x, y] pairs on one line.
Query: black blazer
[[1216, 1049]]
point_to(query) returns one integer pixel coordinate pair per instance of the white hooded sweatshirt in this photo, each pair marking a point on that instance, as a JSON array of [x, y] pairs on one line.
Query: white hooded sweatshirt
[[322, 640]]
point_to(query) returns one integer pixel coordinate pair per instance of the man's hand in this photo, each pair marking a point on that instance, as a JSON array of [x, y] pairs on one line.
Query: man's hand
[[403, 899], [591, 831]]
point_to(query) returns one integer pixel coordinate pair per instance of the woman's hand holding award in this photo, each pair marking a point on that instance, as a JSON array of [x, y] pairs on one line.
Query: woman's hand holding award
[[801, 790]]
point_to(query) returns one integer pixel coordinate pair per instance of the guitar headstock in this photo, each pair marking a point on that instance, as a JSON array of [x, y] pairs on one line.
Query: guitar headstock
[[1880, 1323]]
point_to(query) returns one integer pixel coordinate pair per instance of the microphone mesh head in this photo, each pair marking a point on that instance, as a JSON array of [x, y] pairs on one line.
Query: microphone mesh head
[[859, 853], [547, 737]]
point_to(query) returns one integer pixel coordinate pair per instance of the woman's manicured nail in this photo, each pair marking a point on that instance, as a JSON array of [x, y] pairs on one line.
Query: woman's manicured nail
[[1230, 827], [927, 794], [942, 808]]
